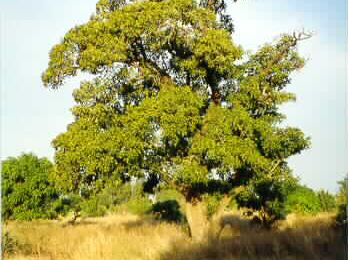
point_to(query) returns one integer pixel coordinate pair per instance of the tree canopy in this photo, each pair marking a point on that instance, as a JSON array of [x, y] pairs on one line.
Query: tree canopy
[[175, 97]]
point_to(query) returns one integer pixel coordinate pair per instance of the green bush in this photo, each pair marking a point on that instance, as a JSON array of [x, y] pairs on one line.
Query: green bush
[[326, 201], [170, 194], [303, 200], [93, 207], [168, 210], [341, 202], [65, 204], [341, 214], [97, 205], [138, 206], [120, 197], [266, 197], [130, 198], [27, 188], [115, 198]]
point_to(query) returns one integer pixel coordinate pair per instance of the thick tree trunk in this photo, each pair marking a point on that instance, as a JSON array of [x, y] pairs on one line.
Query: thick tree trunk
[[202, 229], [197, 220], [216, 224]]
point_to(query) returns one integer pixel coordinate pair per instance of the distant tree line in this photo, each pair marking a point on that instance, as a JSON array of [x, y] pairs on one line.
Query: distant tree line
[[29, 191]]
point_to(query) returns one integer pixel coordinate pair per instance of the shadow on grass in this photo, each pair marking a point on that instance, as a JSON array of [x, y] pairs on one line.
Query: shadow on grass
[[314, 241]]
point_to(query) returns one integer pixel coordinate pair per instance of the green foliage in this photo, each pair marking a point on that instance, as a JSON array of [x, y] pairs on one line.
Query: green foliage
[[303, 200], [64, 204], [341, 216], [121, 197], [169, 206], [27, 188], [266, 196], [232, 205], [326, 200], [169, 194], [212, 202], [93, 207], [168, 210], [342, 194], [126, 197], [175, 97], [341, 202], [139, 206]]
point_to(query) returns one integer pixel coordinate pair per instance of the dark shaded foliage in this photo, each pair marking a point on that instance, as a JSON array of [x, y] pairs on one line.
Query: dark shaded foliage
[[168, 210]]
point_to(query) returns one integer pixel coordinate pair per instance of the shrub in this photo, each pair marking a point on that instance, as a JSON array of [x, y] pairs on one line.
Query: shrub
[[303, 200], [168, 210], [265, 198], [138, 206], [117, 197], [341, 201], [27, 188], [129, 198], [65, 204], [170, 194], [93, 207], [326, 201]]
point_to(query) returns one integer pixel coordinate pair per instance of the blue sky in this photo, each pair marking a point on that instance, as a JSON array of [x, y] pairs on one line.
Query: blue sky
[[31, 116]]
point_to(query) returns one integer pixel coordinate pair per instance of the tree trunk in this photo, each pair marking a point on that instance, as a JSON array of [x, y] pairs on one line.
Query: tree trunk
[[202, 229], [196, 215], [216, 225]]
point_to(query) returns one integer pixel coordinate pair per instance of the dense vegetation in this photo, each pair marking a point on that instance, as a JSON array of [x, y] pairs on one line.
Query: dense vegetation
[[303, 200], [342, 201], [27, 191]]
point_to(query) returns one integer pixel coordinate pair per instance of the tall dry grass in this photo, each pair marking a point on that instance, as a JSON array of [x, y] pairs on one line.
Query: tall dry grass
[[298, 238], [132, 237], [112, 237]]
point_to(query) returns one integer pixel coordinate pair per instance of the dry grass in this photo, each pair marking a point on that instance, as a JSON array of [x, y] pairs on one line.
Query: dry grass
[[299, 238], [129, 237], [112, 237]]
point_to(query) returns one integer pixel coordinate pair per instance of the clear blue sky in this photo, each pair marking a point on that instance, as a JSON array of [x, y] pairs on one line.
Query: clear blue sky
[[31, 116]]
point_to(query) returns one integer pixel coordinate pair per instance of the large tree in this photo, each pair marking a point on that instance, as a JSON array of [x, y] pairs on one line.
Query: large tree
[[174, 97]]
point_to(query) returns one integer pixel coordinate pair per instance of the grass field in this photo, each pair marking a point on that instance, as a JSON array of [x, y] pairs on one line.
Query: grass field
[[127, 236]]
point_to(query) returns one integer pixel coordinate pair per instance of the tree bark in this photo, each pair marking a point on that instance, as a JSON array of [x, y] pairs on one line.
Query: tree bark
[[197, 220], [202, 229]]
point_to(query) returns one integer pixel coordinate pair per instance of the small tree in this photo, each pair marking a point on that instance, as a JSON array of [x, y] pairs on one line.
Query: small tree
[[175, 97], [327, 201], [26, 190]]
